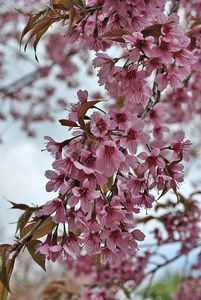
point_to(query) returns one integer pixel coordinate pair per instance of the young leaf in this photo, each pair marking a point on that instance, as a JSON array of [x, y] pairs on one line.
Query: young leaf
[[18, 206], [146, 219], [33, 19], [164, 191], [24, 218], [39, 35], [74, 17], [153, 30], [38, 24], [27, 229], [70, 123], [84, 108], [41, 27], [45, 227], [66, 4], [31, 247], [116, 34], [3, 290], [91, 137], [79, 3], [4, 257]]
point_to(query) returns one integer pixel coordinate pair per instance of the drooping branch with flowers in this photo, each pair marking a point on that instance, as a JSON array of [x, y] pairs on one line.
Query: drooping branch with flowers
[[123, 155]]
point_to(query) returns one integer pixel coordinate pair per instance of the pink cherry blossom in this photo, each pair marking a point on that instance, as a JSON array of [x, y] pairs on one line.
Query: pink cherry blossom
[[52, 206], [83, 194], [180, 148], [133, 135], [144, 200], [111, 214], [106, 64], [120, 119], [109, 158], [99, 124], [140, 44], [151, 161], [58, 181]]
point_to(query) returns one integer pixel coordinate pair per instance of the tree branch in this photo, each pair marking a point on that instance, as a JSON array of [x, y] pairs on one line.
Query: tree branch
[[27, 237]]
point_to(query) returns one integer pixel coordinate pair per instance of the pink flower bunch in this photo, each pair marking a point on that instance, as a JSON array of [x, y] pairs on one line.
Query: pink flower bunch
[[190, 289], [111, 275], [106, 15], [168, 53], [103, 179], [181, 225]]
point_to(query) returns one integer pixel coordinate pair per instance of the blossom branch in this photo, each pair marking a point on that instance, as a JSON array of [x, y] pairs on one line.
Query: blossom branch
[[27, 237]]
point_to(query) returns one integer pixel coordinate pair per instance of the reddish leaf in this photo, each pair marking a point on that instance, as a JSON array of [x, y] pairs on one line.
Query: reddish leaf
[[39, 35], [4, 258], [18, 206], [24, 218], [84, 108], [39, 23], [45, 227], [146, 219], [70, 123], [3, 292], [31, 247], [74, 17], [51, 290], [107, 186], [41, 27], [116, 34], [153, 30], [33, 19], [27, 229], [79, 3], [9, 267], [164, 191], [91, 137]]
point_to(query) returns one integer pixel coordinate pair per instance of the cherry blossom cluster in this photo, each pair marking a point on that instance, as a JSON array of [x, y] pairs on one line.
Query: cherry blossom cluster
[[113, 276], [124, 157], [190, 289], [168, 56], [103, 179], [181, 224]]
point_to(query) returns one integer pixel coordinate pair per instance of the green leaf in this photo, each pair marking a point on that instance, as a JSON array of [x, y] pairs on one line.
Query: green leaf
[[4, 258], [31, 247]]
